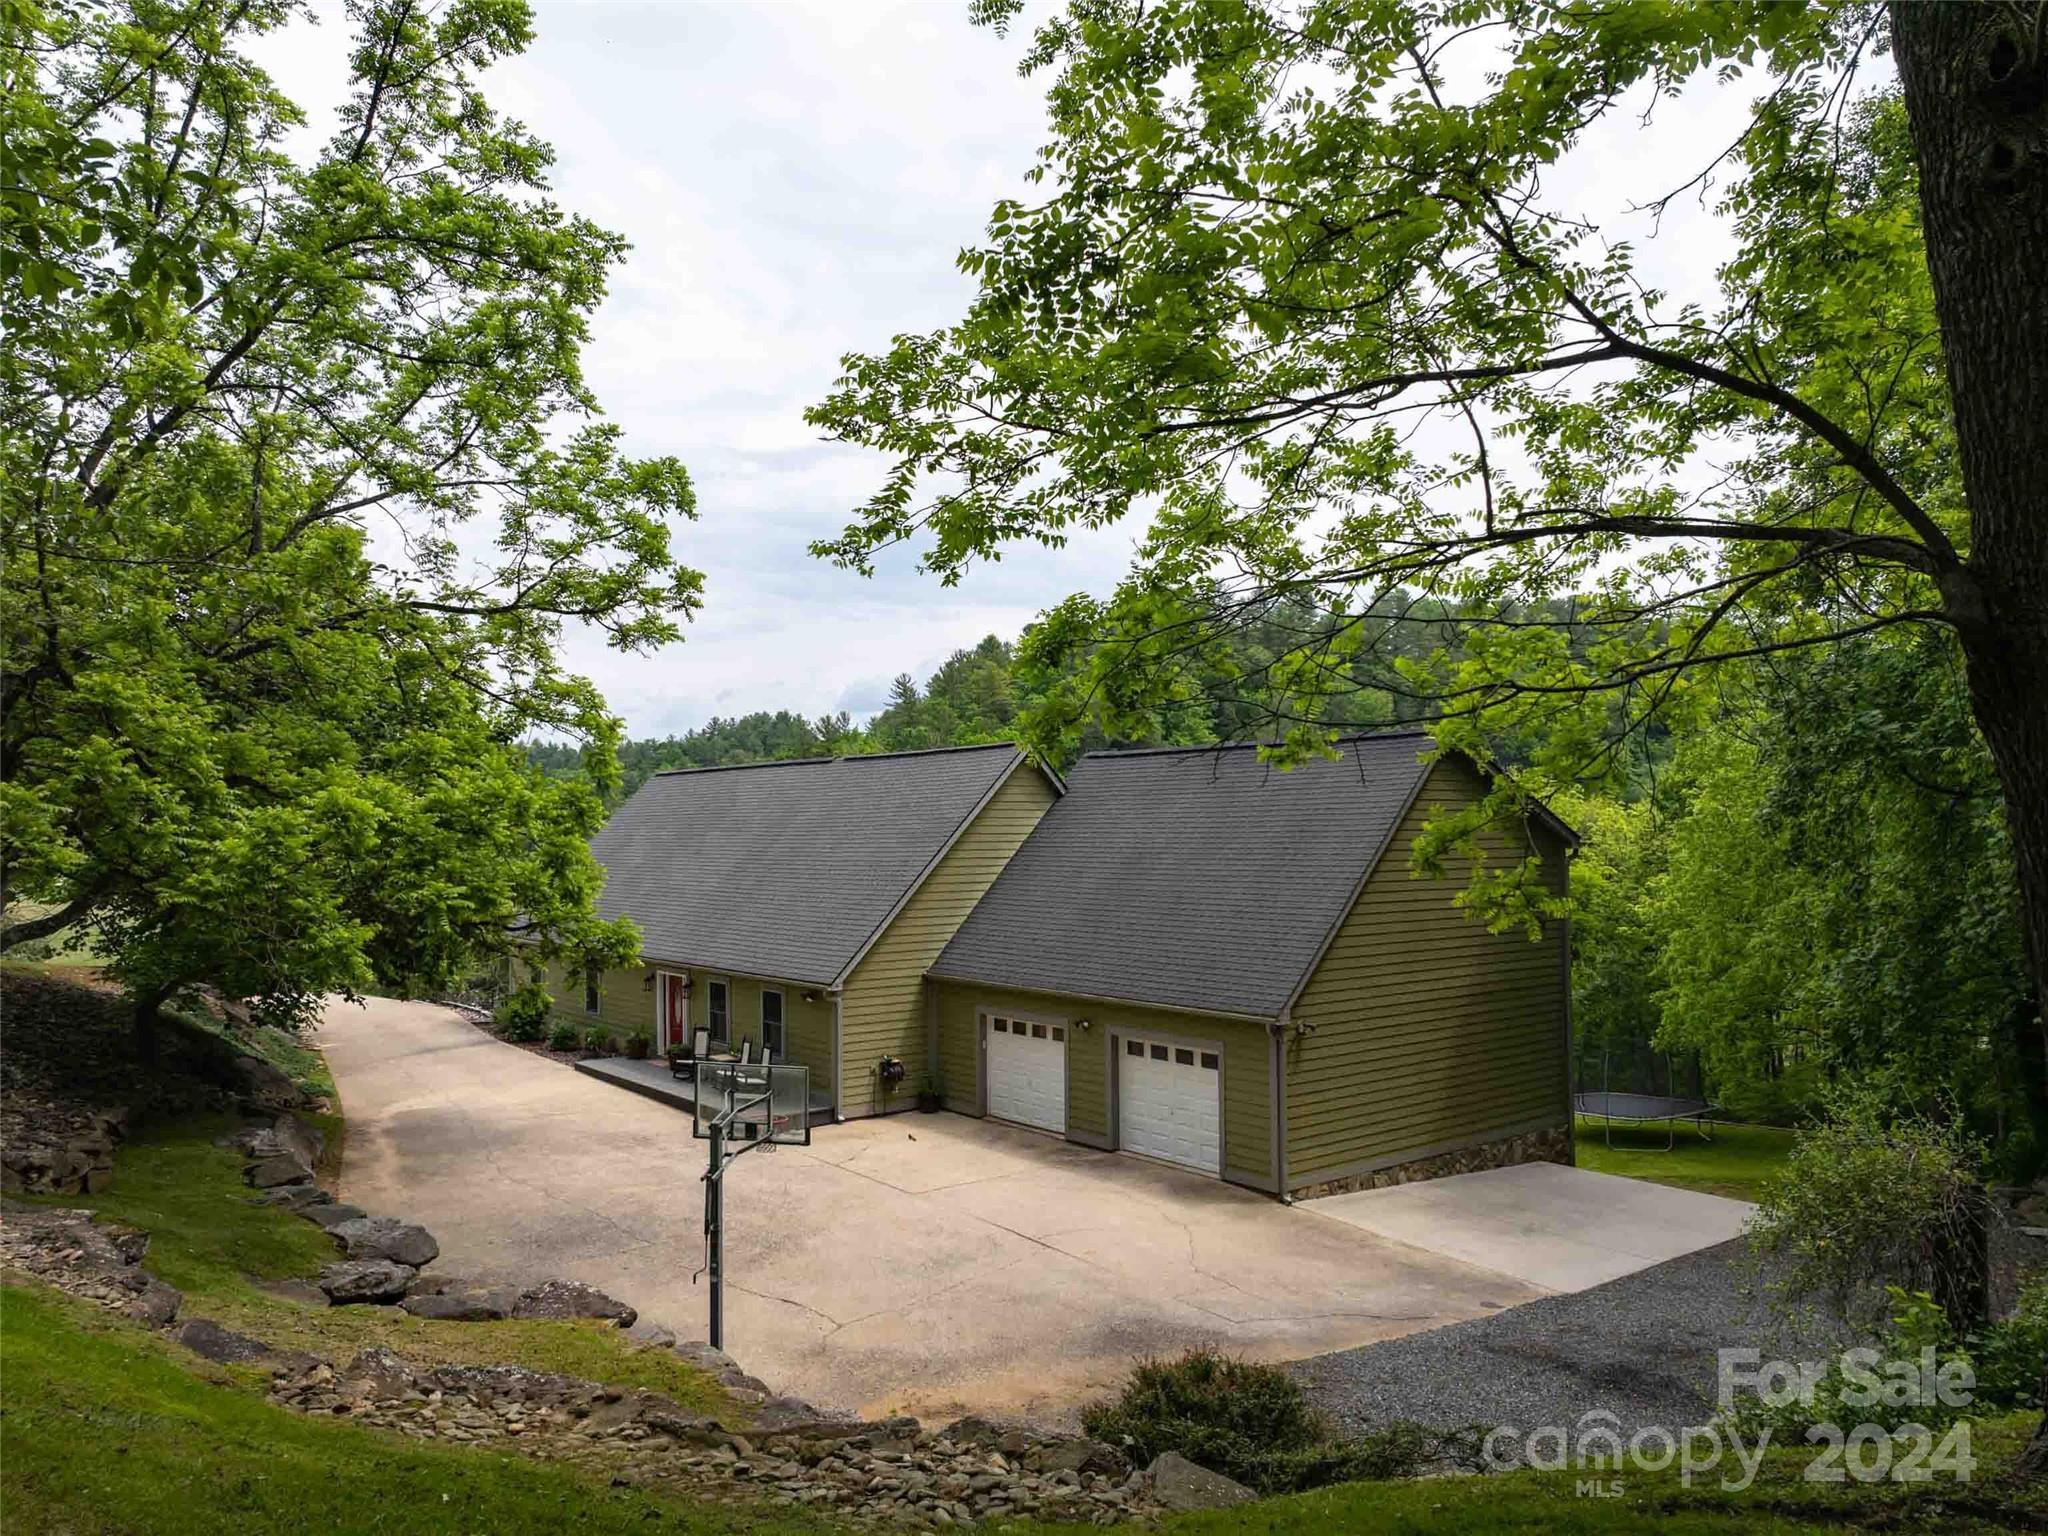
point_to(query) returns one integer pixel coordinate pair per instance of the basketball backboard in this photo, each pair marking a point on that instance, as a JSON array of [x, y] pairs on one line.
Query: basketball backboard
[[755, 1102]]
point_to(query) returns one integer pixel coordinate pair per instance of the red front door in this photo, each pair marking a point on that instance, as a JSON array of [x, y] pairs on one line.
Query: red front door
[[675, 1010]]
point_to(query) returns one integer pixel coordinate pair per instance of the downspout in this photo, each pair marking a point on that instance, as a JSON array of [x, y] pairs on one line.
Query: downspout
[[1564, 967], [838, 1054], [1277, 1032]]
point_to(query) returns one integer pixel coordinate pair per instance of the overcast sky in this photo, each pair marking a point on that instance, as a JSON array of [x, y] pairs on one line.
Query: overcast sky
[[796, 181]]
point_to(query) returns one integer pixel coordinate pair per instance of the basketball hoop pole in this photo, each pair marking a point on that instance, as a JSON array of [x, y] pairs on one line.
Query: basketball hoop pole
[[714, 1231], [759, 1125], [714, 1211]]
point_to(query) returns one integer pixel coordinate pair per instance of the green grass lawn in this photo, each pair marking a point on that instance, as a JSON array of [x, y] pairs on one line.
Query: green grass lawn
[[109, 1429], [1738, 1162], [211, 1243]]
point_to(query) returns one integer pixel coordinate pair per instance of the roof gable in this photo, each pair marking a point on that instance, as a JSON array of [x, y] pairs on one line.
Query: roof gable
[[786, 869], [1193, 877]]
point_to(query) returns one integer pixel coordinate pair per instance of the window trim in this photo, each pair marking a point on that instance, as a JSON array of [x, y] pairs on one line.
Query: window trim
[[781, 1045]]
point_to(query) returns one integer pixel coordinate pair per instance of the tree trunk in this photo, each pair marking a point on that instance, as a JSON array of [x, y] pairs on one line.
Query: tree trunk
[[1975, 79], [147, 1017]]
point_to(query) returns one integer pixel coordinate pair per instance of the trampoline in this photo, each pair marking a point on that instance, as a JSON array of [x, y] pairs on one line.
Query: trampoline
[[1647, 1109], [1665, 1109]]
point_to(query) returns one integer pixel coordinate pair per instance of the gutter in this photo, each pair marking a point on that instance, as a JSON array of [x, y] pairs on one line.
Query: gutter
[[1267, 1019]]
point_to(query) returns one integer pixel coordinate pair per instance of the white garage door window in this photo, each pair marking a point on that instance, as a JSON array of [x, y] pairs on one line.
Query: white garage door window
[[1027, 1072], [1169, 1103]]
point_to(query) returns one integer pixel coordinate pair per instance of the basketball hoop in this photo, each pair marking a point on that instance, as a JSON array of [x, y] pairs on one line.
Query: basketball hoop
[[753, 1105]]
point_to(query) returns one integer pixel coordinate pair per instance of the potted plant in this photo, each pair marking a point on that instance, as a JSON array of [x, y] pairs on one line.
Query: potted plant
[[638, 1044], [928, 1100]]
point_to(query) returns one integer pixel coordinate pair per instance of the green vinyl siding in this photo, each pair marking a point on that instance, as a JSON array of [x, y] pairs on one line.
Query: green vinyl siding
[[624, 1003], [1424, 1030], [883, 1011], [806, 1026], [1246, 1086]]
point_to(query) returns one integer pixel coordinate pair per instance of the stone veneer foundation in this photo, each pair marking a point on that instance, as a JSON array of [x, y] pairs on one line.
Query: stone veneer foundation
[[1546, 1146]]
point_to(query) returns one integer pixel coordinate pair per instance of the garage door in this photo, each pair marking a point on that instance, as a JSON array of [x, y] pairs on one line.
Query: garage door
[[1027, 1072], [1169, 1103]]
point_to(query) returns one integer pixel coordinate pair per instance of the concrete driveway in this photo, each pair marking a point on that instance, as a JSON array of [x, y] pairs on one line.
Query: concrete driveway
[[1564, 1229], [931, 1264]]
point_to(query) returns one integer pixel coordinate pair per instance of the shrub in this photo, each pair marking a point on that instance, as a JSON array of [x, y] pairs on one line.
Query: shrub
[[1875, 1198], [2008, 1356], [564, 1037], [2004, 1361], [1249, 1422], [639, 1044], [522, 1017], [597, 1041]]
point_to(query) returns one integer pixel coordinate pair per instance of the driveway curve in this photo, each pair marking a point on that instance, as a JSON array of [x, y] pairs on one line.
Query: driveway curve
[[929, 1264]]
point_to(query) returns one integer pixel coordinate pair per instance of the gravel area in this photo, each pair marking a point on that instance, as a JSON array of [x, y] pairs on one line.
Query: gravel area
[[1644, 1348]]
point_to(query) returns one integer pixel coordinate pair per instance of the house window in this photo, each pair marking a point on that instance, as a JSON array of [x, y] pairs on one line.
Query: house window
[[771, 1023], [590, 991], [718, 1011]]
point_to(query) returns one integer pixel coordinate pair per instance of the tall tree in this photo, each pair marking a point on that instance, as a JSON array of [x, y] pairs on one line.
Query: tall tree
[[299, 480], [1275, 239]]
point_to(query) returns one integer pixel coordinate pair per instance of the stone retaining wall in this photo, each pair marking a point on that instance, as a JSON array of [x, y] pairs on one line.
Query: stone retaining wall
[[1553, 1145]]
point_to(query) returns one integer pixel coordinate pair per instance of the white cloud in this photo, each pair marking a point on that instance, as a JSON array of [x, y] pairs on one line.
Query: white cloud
[[796, 180]]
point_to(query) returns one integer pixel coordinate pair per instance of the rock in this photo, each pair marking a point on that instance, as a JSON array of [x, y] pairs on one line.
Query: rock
[[1179, 1485], [331, 1213], [283, 1168], [1091, 1456], [690, 1428], [383, 1237], [482, 1305], [974, 1430], [286, 1135], [702, 1355], [155, 1303], [561, 1299], [378, 1373], [260, 1083], [792, 1415], [206, 1338], [652, 1335], [817, 1428], [296, 1197], [366, 1280]]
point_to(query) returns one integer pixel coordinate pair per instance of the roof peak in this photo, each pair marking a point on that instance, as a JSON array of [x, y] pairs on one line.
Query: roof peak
[[1242, 746], [843, 757]]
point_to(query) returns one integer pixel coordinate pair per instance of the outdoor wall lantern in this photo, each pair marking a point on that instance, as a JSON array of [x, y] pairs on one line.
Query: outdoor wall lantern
[[1081, 1024], [811, 997]]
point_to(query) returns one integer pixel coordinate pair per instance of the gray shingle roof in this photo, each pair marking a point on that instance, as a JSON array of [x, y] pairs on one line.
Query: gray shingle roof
[[783, 870], [1192, 878]]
